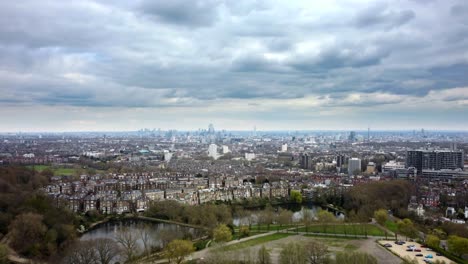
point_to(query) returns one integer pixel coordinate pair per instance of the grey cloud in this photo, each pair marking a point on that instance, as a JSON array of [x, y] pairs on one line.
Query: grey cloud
[[196, 13], [131, 61], [380, 16], [339, 57], [256, 63]]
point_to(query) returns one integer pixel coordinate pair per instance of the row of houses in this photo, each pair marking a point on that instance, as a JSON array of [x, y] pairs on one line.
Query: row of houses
[[117, 201]]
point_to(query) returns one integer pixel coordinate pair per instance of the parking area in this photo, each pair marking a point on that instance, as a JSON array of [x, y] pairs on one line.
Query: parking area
[[413, 250]]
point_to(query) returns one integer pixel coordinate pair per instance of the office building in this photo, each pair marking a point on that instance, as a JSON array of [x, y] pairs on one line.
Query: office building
[[249, 156], [306, 161], [354, 166], [225, 149], [371, 167], [340, 160], [213, 151], [434, 159], [284, 147]]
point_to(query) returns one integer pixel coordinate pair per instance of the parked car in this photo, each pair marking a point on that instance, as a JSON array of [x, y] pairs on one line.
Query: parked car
[[417, 250], [387, 245], [429, 256], [438, 254], [419, 255], [409, 249]]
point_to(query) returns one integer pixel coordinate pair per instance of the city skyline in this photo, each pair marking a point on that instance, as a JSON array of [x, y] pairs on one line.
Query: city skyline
[[336, 65]]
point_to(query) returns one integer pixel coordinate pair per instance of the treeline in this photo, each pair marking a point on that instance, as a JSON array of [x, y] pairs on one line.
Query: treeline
[[206, 215], [32, 223], [362, 200]]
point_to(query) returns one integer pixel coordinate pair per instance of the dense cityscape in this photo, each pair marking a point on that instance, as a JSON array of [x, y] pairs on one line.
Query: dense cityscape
[[126, 173], [234, 132]]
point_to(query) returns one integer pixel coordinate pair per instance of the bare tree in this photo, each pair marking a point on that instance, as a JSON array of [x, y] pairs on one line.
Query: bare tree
[[81, 252], [167, 235], [284, 217], [145, 237], [106, 250], [128, 241], [263, 256], [307, 218], [316, 252]]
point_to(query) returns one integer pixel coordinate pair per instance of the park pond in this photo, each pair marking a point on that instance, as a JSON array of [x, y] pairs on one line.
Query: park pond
[[156, 234]]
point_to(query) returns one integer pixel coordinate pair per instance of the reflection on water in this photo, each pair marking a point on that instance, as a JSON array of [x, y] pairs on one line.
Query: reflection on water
[[298, 212], [158, 232]]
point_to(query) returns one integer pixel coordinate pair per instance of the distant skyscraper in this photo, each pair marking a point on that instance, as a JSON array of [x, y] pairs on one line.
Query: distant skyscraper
[[211, 129], [352, 136], [213, 151], [225, 149], [167, 156], [354, 165]]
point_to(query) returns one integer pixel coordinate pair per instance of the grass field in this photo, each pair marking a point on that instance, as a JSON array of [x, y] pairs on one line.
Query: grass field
[[256, 241], [265, 228], [57, 170], [391, 226], [351, 229]]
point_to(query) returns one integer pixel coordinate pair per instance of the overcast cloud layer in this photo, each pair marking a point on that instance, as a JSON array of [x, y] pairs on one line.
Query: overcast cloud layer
[[125, 65]]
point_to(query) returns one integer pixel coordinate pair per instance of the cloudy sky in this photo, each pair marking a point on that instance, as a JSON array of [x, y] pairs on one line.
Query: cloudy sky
[[125, 65]]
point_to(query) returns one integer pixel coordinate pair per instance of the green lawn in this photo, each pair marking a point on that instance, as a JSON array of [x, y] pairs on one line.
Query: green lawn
[[392, 226], [64, 171], [265, 228], [256, 241], [57, 170], [342, 229]]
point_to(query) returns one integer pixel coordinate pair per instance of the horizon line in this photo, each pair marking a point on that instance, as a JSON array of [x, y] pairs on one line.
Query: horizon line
[[235, 130]]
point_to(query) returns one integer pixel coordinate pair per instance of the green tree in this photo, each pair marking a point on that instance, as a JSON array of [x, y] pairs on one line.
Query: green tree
[[458, 245], [433, 241], [381, 216], [222, 233], [178, 249], [325, 218], [355, 258], [244, 231], [296, 196], [293, 253], [3, 254], [406, 228], [263, 256]]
